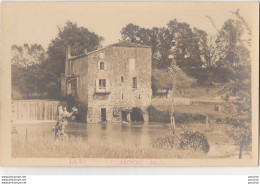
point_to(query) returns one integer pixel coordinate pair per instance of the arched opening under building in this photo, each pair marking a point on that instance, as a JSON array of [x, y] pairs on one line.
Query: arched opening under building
[[136, 115]]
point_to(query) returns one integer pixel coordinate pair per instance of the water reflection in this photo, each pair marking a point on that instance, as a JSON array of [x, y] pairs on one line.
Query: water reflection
[[104, 126], [137, 134]]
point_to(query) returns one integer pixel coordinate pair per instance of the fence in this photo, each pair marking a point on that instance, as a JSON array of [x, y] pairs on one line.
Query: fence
[[29, 111], [177, 101]]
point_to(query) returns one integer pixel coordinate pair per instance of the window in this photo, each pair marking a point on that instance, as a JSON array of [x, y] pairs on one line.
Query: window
[[101, 55], [131, 64], [70, 68], [102, 65], [73, 86], [102, 83], [134, 82], [122, 79]]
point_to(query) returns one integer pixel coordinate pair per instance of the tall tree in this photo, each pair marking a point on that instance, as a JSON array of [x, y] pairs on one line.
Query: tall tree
[[175, 39], [27, 55], [185, 44], [172, 70], [232, 46], [130, 33], [79, 39], [228, 52], [206, 47], [25, 71], [235, 40]]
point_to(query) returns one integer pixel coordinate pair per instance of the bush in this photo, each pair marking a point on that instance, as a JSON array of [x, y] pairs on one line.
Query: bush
[[156, 115], [166, 142], [210, 74], [82, 108], [190, 117], [195, 140], [161, 79], [82, 112]]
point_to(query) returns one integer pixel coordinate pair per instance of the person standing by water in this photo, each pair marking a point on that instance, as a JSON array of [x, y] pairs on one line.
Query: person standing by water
[[62, 120]]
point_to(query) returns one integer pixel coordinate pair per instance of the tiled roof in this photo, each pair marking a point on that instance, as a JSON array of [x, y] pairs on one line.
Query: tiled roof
[[129, 44], [119, 44]]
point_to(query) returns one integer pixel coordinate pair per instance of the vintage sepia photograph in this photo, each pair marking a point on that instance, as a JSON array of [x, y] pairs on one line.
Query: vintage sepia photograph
[[132, 81]]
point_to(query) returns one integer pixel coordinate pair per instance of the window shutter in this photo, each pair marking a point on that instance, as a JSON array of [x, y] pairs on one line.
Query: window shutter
[[99, 65], [69, 88], [78, 85], [97, 84], [108, 84], [131, 64]]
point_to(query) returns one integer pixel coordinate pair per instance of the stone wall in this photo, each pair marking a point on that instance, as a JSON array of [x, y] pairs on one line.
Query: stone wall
[[121, 95], [79, 68]]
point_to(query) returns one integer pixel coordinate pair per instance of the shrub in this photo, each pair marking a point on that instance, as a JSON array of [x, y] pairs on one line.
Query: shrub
[[166, 142], [195, 140], [82, 112], [162, 79], [156, 115], [190, 117], [82, 108]]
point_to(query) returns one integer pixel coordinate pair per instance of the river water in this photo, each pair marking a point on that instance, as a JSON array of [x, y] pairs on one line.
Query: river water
[[137, 134], [221, 145]]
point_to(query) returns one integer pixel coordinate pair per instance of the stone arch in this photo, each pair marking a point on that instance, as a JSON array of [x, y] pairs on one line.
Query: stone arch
[[136, 114]]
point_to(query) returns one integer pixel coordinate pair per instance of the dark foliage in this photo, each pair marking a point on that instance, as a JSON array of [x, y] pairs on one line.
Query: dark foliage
[[82, 109], [156, 115], [25, 71], [178, 39], [195, 140], [166, 142], [79, 39], [189, 117]]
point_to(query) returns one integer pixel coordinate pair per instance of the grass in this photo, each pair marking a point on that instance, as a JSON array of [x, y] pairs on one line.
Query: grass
[[41, 144], [199, 92], [197, 108], [44, 145]]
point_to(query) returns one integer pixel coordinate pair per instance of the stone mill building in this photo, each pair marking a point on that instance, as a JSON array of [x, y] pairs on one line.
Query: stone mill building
[[113, 82]]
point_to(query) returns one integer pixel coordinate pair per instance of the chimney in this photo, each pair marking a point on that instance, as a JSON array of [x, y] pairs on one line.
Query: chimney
[[85, 51], [68, 54]]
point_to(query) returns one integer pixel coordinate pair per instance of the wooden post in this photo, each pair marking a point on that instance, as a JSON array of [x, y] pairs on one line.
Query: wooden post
[[173, 74], [146, 117], [128, 116], [240, 150], [241, 146]]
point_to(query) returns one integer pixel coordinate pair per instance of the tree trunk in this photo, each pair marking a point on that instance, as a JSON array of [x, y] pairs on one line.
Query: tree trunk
[[241, 149], [242, 142], [172, 111]]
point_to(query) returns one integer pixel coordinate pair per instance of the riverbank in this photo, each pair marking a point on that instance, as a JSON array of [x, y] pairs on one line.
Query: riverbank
[[116, 141]]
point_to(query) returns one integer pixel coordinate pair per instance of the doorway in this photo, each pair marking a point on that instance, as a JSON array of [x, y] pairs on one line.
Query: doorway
[[136, 115], [124, 116], [103, 114]]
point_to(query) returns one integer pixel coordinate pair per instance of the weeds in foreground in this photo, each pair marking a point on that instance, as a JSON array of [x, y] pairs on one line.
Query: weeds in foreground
[[185, 140], [195, 140], [43, 145], [166, 142]]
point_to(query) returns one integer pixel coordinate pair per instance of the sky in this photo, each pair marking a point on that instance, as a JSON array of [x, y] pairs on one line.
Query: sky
[[38, 22]]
